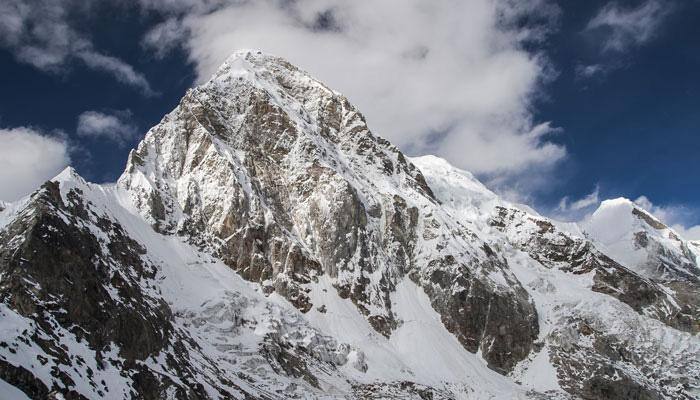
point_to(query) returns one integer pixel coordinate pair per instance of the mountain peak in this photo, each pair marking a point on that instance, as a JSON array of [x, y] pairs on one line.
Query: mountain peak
[[265, 163], [69, 174], [637, 239], [621, 214], [245, 63], [253, 57], [265, 71]]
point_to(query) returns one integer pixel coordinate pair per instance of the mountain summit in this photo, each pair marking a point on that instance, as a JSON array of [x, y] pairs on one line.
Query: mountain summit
[[263, 243]]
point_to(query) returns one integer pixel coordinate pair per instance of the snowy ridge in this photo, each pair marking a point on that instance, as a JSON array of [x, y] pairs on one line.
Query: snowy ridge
[[263, 243], [574, 315]]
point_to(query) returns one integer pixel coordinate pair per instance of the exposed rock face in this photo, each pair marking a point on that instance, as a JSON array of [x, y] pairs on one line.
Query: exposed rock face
[[611, 360], [281, 178], [263, 243], [556, 249], [86, 313], [505, 327], [600, 347], [72, 283]]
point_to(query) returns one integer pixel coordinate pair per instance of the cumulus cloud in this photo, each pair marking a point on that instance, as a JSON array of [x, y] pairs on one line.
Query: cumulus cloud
[[114, 126], [28, 158], [452, 78], [40, 33]]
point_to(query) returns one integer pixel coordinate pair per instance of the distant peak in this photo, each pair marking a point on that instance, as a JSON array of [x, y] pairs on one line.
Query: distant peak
[[618, 206], [69, 174], [617, 202], [622, 205]]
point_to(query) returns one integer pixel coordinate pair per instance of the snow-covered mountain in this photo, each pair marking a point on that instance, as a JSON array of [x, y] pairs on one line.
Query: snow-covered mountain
[[634, 237], [262, 243]]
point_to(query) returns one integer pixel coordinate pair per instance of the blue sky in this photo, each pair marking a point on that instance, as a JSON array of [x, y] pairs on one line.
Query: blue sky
[[557, 104], [633, 130]]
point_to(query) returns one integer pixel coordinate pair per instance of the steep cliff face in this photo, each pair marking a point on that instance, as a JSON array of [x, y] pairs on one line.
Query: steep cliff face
[[263, 243], [281, 178]]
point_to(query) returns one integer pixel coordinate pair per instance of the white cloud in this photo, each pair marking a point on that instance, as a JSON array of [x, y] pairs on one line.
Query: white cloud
[[165, 37], [120, 70], [38, 33], [448, 77], [624, 28], [182, 6], [115, 127], [616, 30], [592, 70], [577, 209], [675, 216], [645, 203], [586, 202], [689, 233], [28, 158]]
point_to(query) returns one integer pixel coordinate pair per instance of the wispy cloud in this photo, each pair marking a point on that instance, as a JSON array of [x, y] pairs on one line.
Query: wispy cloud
[[114, 126], [165, 37], [586, 202], [120, 70], [577, 208], [38, 33], [618, 30], [591, 71], [689, 233], [626, 28]]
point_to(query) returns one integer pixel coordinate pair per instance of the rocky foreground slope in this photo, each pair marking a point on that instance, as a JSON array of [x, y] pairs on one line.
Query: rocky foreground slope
[[262, 243]]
